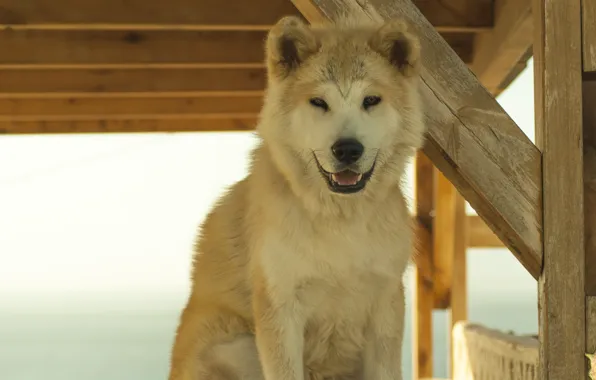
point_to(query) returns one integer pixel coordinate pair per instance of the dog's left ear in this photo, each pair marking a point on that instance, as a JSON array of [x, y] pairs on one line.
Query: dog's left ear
[[400, 47], [289, 43]]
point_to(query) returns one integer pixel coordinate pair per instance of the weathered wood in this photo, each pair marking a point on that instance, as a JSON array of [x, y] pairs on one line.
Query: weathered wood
[[589, 34], [558, 97], [459, 288], [591, 330], [204, 14], [422, 347], [479, 235], [41, 108], [471, 139], [505, 49], [444, 240], [63, 48], [130, 81], [128, 126], [589, 110], [68, 49], [180, 14]]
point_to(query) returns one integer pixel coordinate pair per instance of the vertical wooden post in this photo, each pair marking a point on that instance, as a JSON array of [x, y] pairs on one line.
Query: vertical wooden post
[[449, 250], [443, 237], [459, 296], [559, 132], [423, 300], [589, 119]]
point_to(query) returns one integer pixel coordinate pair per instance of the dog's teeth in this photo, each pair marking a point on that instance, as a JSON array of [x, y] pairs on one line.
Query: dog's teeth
[[359, 177]]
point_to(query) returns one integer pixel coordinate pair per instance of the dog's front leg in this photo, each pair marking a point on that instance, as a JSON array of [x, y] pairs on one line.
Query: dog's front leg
[[382, 355], [279, 335]]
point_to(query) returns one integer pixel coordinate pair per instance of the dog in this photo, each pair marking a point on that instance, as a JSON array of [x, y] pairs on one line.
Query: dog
[[298, 268]]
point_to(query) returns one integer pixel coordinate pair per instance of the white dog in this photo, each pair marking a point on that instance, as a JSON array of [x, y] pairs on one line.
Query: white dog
[[298, 269]]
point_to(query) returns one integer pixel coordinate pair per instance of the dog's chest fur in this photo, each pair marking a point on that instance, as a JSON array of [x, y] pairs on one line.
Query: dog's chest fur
[[333, 274]]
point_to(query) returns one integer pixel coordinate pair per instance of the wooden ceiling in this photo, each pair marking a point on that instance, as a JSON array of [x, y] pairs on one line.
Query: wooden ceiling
[[72, 66]]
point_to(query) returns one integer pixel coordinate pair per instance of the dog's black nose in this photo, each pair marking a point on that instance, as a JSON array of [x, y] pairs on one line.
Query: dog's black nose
[[347, 151]]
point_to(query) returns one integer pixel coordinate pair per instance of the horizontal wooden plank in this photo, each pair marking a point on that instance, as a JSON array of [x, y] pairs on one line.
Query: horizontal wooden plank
[[480, 236], [158, 49], [134, 81], [446, 16], [128, 126], [92, 47], [256, 14], [471, 139], [65, 107]]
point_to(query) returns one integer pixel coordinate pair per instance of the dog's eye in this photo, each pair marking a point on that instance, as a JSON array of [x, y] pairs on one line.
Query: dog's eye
[[318, 102], [370, 101]]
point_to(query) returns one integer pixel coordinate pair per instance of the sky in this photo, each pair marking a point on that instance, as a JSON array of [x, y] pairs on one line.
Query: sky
[[117, 214]]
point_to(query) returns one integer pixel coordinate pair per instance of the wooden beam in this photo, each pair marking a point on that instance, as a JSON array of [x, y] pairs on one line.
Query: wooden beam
[[41, 108], [179, 14], [130, 81], [218, 124], [589, 35], [505, 48], [443, 239], [204, 14], [126, 48], [589, 100], [476, 15], [117, 49], [422, 336], [591, 327], [558, 105], [471, 139], [479, 235], [459, 287]]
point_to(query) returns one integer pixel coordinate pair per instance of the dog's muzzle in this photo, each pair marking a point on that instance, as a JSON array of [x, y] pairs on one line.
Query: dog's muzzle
[[345, 181]]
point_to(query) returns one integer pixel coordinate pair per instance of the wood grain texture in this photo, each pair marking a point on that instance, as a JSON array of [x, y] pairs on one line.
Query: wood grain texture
[[43, 108], [207, 14], [471, 139], [589, 110], [558, 96], [68, 49], [459, 287], [133, 81], [218, 124], [423, 302], [444, 240], [589, 34], [504, 50], [60, 48], [591, 327], [446, 15]]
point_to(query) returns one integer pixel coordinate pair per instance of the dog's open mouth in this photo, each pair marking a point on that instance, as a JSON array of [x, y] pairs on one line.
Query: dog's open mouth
[[345, 181]]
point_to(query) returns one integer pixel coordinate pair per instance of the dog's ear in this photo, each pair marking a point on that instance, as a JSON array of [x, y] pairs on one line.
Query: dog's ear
[[289, 43], [396, 44]]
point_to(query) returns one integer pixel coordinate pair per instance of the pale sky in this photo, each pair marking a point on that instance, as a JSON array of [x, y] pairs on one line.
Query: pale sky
[[117, 214]]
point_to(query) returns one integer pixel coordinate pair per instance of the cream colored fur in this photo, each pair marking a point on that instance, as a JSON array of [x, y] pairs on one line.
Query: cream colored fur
[[292, 281]]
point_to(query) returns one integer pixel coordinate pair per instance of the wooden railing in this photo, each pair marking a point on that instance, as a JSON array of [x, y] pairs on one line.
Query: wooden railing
[[481, 353]]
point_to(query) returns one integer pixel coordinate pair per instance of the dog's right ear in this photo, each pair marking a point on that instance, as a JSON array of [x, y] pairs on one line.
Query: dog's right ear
[[289, 43]]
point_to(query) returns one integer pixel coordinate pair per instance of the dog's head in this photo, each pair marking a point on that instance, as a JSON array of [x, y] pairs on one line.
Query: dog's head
[[342, 107]]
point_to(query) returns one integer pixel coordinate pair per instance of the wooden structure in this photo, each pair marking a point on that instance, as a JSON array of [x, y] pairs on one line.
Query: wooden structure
[[197, 65], [480, 353]]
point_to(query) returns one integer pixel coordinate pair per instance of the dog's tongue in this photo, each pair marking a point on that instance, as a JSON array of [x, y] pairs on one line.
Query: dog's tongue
[[346, 178]]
